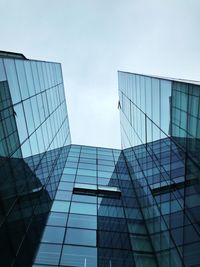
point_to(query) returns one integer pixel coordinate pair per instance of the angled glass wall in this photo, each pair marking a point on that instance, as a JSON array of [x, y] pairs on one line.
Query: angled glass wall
[[153, 108], [101, 224], [160, 131], [74, 205], [34, 129]]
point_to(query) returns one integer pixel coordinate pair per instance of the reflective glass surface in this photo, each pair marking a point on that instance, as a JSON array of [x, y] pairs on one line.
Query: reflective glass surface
[[74, 205], [34, 134]]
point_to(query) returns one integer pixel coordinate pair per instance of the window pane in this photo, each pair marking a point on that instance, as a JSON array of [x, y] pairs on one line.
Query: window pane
[[82, 221], [83, 208], [81, 237], [48, 254], [12, 80], [29, 76], [57, 218], [60, 206], [84, 198], [53, 234], [79, 256], [86, 172], [21, 123], [22, 78], [63, 195]]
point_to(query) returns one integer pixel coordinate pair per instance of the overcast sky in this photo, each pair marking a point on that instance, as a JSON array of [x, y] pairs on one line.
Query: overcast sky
[[92, 39]]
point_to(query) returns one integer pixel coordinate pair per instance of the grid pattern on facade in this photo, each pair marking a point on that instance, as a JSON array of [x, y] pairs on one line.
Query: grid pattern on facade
[[159, 124], [34, 122], [74, 205], [90, 229]]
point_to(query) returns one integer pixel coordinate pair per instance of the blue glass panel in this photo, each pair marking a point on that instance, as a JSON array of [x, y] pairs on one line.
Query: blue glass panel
[[57, 219], [110, 211], [65, 186], [2, 72], [84, 198], [83, 208], [80, 237], [21, 123], [79, 256], [67, 178], [86, 179], [53, 234], [12, 80], [86, 172], [40, 75], [141, 243], [60, 206], [69, 171], [35, 76], [144, 260], [48, 254], [22, 78], [29, 77], [29, 116], [82, 221], [63, 195]]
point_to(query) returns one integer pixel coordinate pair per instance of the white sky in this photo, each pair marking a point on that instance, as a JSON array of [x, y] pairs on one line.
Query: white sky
[[95, 38]]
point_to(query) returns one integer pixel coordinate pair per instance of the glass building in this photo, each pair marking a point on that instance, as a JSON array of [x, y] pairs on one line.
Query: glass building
[[73, 205], [160, 125], [34, 133]]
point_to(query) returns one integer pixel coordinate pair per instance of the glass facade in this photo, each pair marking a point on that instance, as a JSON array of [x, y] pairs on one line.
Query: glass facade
[[160, 135], [34, 132], [154, 108], [73, 205], [98, 212]]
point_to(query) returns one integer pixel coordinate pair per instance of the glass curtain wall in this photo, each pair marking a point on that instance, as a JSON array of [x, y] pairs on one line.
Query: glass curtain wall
[[162, 154], [101, 224], [34, 121]]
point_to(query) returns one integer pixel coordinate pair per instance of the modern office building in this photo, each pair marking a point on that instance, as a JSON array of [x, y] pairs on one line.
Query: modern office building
[[73, 205], [160, 122], [34, 132]]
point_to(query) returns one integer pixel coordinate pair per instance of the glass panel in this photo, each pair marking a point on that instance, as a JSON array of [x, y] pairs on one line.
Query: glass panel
[[80, 237], [63, 195], [35, 76], [56, 218], [86, 172], [65, 186], [22, 78], [12, 80], [21, 124], [29, 116], [156, 101], [48, 254], [53, 234], [165, 99], [41, 75], [79, 256], [110, 211], [144, 260], [2, 72], [35, 111], [83, 208], [60, 206], [148, 97], [68, 178], [82, 221], [85, 179], [29, 76], [84, 198], [141, 243]]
